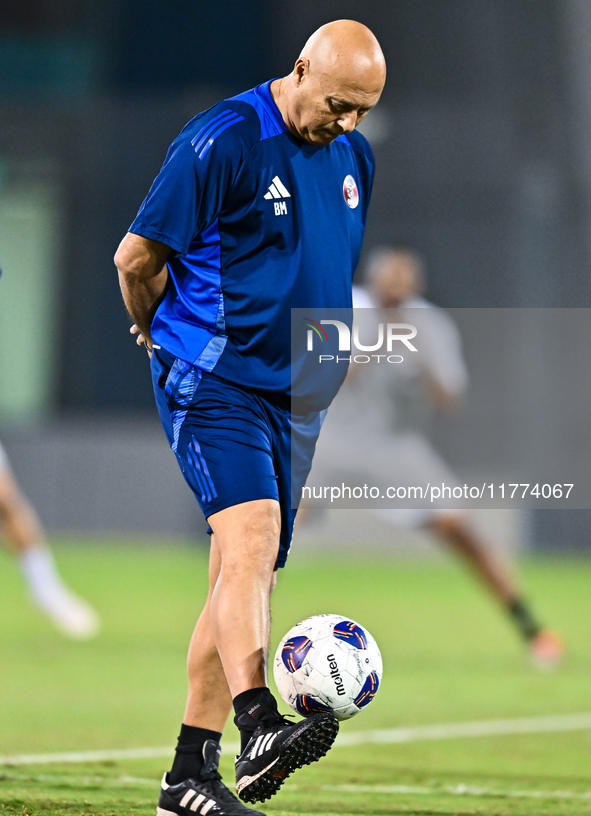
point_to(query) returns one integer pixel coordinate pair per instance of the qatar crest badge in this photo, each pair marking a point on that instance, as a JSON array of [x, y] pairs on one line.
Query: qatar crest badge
[[350, 192]]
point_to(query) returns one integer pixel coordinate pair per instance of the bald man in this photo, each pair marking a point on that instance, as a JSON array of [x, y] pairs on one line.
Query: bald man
[[259, 207]]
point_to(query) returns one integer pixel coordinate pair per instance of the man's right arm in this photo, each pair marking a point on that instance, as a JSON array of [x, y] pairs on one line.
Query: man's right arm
[[186, 196], [143, 274]]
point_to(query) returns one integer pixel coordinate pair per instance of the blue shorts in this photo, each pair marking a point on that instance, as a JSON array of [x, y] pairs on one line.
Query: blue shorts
[[233, 445]]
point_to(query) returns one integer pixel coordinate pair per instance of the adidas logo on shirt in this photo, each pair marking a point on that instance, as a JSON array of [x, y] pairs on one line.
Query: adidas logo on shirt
[[278, 190]]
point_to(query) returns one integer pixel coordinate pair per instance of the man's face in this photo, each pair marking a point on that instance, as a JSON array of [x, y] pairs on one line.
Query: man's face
[[396, 280], [326, 107]]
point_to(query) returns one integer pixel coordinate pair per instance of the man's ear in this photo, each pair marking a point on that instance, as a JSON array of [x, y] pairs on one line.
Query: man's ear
[[301, 69]]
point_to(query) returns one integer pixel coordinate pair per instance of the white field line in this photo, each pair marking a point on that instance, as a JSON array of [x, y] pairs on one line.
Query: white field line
[[479, 728], [456, 790], [87, 756], [102, 781], [392, 790]]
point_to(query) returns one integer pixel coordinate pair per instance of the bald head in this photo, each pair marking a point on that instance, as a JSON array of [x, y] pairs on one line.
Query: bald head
[[349, 52], [337, 79]]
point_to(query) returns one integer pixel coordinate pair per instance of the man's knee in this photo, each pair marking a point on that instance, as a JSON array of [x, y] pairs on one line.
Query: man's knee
[[262, 526], [248, 533], [448, 523], [11, 498]]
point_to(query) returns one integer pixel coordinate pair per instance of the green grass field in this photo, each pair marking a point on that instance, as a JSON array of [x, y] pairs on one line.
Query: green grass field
[[449, 656]]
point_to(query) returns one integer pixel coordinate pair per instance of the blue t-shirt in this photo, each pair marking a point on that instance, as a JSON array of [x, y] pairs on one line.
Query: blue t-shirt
[[260, 222]]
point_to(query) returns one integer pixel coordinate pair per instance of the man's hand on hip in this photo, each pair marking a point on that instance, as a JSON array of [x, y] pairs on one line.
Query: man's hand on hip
[[143, 275]]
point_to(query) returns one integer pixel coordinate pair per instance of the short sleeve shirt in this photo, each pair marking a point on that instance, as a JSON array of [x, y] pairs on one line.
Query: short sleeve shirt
[[259, 223]]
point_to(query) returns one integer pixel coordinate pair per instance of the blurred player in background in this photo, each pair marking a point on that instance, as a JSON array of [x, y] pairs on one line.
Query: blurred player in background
[[396, 402], [22, 533]]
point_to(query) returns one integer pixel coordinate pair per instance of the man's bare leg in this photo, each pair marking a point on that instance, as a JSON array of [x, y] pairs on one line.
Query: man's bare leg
[[209, 701], [545, 646], [19, 524], [228, 659], [227, 664], [457, 533], [22, 532], [247, 536], [250, 533]]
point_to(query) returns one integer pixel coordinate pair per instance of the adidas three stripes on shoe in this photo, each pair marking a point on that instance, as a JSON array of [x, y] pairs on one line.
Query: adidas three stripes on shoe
[[277, 749], [204, 796]]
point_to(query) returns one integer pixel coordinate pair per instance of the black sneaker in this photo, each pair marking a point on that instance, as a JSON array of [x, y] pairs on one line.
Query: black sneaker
[[205, 796], [276, 751]]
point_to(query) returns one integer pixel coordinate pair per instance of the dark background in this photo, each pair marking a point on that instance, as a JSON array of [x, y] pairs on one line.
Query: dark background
[[480, 138]]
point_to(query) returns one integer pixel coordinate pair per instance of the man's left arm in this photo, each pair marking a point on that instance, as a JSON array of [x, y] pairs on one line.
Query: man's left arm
[[143, 274]]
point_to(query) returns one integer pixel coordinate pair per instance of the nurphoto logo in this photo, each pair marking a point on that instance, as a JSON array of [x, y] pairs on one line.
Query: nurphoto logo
[[390, 333]]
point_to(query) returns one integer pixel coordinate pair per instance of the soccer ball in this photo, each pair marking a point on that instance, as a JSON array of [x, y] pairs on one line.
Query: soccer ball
[[328, 663]]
